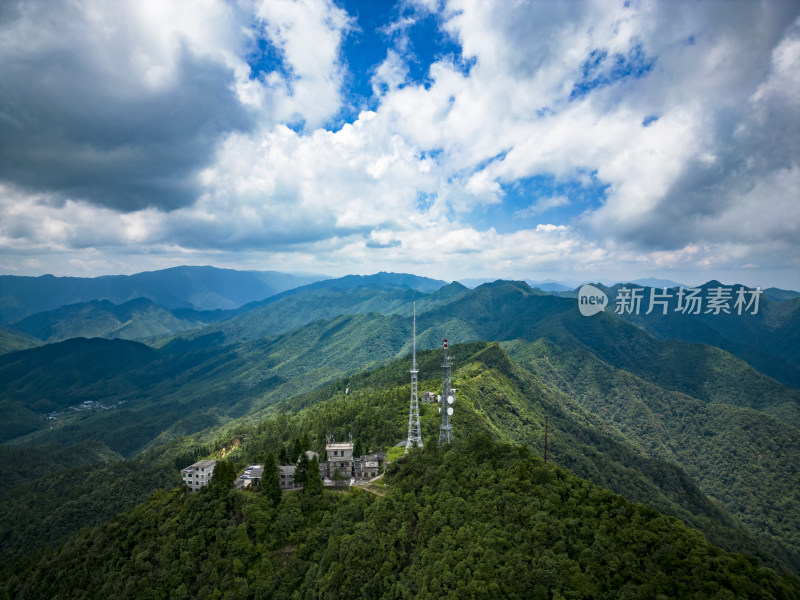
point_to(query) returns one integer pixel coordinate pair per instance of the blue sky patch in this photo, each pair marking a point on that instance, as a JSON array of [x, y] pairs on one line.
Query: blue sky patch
[[650, 119], [601, 69], [583, 192], [420, 44], [268, 58]]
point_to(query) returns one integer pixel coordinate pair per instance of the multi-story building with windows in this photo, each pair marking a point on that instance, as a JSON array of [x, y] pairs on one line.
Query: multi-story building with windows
[[197, 475], [367, 467], [340, 458]]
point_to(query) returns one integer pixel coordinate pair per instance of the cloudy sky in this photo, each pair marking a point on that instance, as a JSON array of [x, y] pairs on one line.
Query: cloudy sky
[[565, 140]]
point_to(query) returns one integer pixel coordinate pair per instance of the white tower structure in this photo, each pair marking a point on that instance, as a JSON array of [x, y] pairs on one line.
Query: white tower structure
[[446, 400], [414, 430]]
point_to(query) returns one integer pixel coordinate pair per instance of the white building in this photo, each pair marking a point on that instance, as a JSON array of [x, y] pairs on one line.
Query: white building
[[340, 458], [251, 474], [197, 475]]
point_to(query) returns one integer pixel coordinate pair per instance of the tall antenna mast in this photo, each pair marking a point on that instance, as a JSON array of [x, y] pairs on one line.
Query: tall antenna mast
[[446, 399], [414, 430]]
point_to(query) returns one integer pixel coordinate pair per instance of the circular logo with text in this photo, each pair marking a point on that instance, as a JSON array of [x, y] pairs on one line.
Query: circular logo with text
[[591, 300]]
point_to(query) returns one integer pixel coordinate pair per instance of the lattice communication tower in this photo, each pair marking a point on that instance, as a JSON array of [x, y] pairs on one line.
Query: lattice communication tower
[[446, 400], [414, 430]]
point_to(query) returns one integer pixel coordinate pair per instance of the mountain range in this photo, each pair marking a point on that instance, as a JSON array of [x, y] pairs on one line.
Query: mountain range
[[199, 288], [678, 414]]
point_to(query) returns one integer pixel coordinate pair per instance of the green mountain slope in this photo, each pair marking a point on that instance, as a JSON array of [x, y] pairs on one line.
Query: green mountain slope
[[47, 510], [293, 311], [137, 319], [201, 288], [498, 397], [495, 396], [744, 459], [588, 443], [20, 465], [76, 376], [475, 520], [12, 340], [779, 295], [322, 301], [138, 396], [506, 311], [768, 340]]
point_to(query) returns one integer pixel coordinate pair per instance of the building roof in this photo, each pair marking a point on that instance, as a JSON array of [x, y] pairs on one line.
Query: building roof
[[253, 472], [287, 469], [339, 446], [201, 464]]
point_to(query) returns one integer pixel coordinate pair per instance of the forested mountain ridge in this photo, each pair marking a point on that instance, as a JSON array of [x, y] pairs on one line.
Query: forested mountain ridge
[[475, 519], [510, 403], [141, 318], [215, 380], [137, 319], [12, 340], [511, 310], [297, 308], [495, 396], [741, 458], [769, 339], [208, 381], [201, 288]]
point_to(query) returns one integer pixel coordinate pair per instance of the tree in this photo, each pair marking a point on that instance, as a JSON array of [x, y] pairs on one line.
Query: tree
[[297, 450], [283, 456], [306, 442], [358, 451], [223, 478], [271, 480], [302, 469], [313, 485]]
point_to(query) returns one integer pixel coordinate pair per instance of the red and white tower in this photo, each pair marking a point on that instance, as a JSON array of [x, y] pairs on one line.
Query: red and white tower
[[446, 400]]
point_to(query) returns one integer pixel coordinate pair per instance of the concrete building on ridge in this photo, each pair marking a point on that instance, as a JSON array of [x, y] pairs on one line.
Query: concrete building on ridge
[[198, 474]]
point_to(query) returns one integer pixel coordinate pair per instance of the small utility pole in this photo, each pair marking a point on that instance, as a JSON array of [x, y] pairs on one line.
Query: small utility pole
[[545, 440]]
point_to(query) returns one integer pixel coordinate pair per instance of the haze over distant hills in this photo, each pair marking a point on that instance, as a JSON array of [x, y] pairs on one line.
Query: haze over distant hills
[[199, 288], [551, 285], [142, 318]]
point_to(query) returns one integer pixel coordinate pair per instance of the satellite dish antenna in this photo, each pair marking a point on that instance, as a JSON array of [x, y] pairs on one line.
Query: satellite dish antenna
[[449, 410], [450, 399]]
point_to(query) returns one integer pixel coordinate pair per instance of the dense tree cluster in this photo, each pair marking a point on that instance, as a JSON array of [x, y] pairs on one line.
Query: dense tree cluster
[[477, 519]]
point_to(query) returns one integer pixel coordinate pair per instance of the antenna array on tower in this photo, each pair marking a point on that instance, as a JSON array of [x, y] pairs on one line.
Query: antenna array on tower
[[446, 399]]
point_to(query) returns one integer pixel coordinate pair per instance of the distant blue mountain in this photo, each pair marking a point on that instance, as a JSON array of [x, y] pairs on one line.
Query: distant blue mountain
[[383, 280], [779, 295], [547, 285], [656, 283], [136, 319], [199, 288]]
